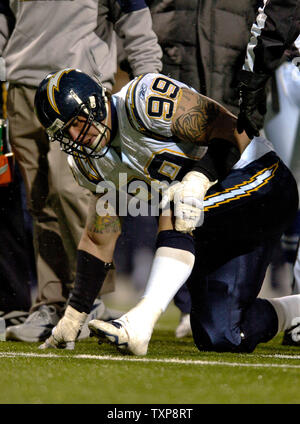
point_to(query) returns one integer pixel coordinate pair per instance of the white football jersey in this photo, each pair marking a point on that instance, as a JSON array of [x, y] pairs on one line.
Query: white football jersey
[[143, 148]]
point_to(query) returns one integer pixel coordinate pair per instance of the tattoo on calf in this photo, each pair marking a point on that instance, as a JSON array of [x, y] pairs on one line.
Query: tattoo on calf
[[104, 224]]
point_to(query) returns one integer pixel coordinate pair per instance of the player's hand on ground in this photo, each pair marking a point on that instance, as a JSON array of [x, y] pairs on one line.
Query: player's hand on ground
[[66, 331], [188, 197]]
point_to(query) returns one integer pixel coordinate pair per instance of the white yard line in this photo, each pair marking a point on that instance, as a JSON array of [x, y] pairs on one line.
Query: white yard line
[[152, 360], [280, 356]]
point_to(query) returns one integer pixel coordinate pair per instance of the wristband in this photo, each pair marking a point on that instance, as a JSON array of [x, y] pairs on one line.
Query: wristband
[[90, 275], [220, 157]]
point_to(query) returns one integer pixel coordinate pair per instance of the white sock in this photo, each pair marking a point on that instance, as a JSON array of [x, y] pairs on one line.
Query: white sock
[[287, 308], [170, 270]]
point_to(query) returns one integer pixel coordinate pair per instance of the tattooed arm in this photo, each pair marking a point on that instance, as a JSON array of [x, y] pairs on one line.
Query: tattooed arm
[[101, 232], [199, 119], [202, 121]]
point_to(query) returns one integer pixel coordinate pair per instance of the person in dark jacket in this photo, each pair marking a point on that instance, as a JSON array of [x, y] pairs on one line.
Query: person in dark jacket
[[204, 43], [276, 28]]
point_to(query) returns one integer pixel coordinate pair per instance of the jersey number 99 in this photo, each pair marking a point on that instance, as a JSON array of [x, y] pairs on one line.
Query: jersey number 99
[[162, 105]]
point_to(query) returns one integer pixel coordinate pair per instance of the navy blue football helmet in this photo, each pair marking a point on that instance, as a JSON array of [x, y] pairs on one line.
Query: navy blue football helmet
[[63, 96]]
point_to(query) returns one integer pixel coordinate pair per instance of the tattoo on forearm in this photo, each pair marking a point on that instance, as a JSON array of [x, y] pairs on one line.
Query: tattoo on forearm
[[194, 123], [104, 224]]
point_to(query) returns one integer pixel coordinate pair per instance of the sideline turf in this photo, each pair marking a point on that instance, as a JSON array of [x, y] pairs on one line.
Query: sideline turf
[[71, 380]]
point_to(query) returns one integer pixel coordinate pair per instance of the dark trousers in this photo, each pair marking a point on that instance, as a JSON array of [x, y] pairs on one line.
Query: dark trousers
[[15, 250], [245, 217]]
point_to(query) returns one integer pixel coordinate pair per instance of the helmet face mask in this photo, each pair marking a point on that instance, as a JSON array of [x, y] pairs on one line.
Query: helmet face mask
[[66, 96], [78, 147]]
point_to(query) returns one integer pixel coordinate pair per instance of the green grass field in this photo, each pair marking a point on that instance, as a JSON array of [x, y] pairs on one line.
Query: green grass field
[[173, 372]]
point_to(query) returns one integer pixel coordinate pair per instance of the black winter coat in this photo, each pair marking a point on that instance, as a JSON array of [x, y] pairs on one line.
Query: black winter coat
[[204, 43]]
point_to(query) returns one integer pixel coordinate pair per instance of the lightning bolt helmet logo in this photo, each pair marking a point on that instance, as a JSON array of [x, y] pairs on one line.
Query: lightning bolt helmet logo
[[53, 85]]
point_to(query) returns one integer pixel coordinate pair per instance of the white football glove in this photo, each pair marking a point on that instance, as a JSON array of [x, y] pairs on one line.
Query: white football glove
[[188, 196], [66, 331]]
